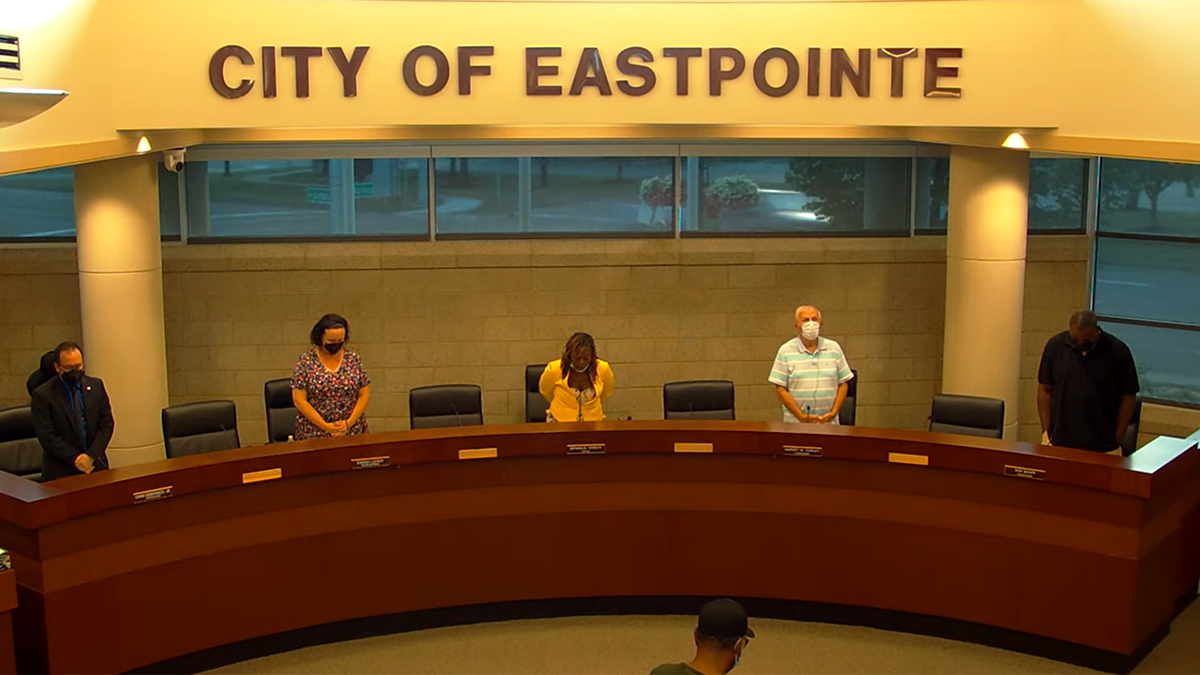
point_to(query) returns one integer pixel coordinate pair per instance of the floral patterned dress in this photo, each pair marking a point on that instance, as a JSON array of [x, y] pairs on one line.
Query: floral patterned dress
[[332, 395]]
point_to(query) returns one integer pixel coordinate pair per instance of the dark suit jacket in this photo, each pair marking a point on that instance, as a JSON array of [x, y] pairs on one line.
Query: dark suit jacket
[[58, 432]]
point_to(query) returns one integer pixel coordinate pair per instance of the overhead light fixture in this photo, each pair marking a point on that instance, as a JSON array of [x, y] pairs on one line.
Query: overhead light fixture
[[18, 104], [143, 145], [1016, 141]]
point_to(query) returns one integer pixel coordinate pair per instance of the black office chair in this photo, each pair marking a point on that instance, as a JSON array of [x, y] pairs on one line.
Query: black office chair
[[281, 412], [535, 403], [698, 400], [44, 373], [197, 428], [445, 405], [850, 406], [967, 415], [1129, 442], [20, 451]]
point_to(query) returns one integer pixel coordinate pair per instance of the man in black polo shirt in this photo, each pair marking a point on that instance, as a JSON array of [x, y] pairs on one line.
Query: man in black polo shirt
[[1086, 387], [721, 634]]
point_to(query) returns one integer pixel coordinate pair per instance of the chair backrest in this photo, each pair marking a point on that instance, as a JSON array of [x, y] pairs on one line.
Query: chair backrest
[[445, 405], [698, 400], [44, 373], [1129, 442], [849, 409], [196, 428], [535, 403], [20, 451], [281, 413], [967, 415]]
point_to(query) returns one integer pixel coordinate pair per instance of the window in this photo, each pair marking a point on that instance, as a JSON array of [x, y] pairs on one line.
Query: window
[[1146, 274], [510, 196], [795, 195], [476, 195], [1057, 194], [38, 205], [408, 191], [169, 186], [307, 198], [1168, 369]]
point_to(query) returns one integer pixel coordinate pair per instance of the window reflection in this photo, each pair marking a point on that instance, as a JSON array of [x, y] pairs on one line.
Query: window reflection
[[40, 204], [798, 195], [1057, 193]]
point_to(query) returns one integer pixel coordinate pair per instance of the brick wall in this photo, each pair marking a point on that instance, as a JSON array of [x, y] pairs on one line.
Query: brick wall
[[479, 312]]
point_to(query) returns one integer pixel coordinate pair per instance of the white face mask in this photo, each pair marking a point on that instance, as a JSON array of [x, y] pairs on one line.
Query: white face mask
[[578, 369], [810, 329], [737, 655]]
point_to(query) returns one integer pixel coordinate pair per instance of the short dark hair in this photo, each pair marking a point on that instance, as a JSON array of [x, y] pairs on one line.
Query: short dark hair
[[67, 346], [1084, 319], [325, 323], [724, 644]]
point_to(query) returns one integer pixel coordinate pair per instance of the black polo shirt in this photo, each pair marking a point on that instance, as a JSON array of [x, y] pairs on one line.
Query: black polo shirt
[[1087, 390]]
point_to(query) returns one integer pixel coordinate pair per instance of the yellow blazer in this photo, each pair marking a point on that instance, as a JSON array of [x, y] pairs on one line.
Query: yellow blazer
[[563, 405]]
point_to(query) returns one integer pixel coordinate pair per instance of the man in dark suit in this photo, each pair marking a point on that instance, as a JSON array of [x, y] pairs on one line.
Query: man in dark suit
[[72, 418]]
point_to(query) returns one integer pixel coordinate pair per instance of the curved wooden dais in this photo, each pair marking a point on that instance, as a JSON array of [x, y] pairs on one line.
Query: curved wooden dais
[[140, 565]]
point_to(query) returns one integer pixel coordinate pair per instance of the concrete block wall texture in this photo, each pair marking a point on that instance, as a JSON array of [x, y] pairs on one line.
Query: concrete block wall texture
[[479, 312], [39, 303]]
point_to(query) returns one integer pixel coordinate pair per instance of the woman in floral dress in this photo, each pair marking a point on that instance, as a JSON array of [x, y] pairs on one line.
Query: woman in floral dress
[[330, 388]]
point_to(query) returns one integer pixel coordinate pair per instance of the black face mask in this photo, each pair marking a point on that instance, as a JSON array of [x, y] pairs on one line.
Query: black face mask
[[1082, 346], [72, 377], [333, 347]]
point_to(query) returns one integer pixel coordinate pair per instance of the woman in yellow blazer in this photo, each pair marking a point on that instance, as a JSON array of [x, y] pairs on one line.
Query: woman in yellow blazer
[[577, 384]]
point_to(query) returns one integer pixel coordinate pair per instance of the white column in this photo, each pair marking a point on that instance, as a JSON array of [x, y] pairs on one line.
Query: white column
[[121, 299], [985, 275]]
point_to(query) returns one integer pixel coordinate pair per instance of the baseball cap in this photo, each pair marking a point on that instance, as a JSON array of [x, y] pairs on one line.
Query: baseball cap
[[724, 618]]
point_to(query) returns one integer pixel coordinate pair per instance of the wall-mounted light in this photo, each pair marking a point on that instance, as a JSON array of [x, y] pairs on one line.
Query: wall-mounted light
[[1015, 141], [18, 104], [143, 145]]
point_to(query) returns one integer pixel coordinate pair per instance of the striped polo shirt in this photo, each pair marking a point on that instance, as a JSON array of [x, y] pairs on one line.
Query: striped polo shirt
[[812, 379]]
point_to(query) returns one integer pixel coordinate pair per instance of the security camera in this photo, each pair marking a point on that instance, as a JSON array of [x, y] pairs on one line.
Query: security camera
[[173, 160]]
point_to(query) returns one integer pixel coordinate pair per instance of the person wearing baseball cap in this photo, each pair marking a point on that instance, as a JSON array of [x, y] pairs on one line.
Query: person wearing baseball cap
[[722, 633]]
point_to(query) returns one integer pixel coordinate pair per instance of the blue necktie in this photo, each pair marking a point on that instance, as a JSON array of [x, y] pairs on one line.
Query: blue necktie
[[77, 408]]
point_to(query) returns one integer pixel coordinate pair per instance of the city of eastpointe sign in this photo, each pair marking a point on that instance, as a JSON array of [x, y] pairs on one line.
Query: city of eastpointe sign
[[236, 71]]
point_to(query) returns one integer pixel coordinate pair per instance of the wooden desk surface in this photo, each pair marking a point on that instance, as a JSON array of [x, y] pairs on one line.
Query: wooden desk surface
[[1095, 550]]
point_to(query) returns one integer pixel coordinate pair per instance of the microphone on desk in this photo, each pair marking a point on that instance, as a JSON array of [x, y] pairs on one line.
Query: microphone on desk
[[456, 415]]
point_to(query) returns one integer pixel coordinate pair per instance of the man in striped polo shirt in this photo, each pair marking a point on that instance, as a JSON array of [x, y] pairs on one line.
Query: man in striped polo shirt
[[810, 373]]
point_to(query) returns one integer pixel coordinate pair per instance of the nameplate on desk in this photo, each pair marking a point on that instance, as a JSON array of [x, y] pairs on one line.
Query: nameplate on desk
[[151, 495], [371, 462], [1024, 472], [478, 453], [693, 447], [585, 448], [801, 451], [260, 476], [904, 458]]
